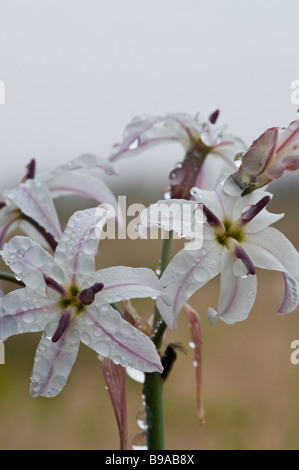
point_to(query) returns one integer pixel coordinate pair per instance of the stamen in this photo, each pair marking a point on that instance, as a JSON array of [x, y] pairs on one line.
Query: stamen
[[214, 116], [30, 170], [255, 209], [86, 297], [213, 220], [242, 255], [2, 204], [64, 322], [55, 286]]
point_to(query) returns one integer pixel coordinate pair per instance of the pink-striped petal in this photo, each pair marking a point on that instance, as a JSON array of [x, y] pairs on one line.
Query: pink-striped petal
[[123, 282], [53, 363], [110, 336], [34, 200], [24, 311], [187, 272]]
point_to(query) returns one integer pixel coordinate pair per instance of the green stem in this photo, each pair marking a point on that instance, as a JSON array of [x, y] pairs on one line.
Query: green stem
[[153, 384], [11, 278]]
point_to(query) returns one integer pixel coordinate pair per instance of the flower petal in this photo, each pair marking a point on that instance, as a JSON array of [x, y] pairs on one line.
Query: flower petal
[[53, 363], [23, 311], [77, 248], [30, 262], [34, 200], [66, 183], [288, 139], [187, 272], [237, 295], [110, 336], [270, 249], [123, 282], [291, 297], [8, 220], [85, 161], [143, 132]]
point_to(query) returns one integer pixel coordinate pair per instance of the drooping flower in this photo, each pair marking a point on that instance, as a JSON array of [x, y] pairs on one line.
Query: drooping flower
[[275, 151], [70, 302], [30, 206], [237, 237], [209, 152]]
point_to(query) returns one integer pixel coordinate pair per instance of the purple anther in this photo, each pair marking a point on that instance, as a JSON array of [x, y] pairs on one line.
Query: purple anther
[[214, 116], [243, 256], [86, 297], [31, 170], [212, 219], [55, 286], [255, 209], [64, 322], [2, 204]]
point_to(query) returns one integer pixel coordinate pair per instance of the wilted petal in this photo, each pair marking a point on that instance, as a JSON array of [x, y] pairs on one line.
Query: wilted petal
[[30, 263], [110, 336], [23, 311], [115, 376], [196, 336], [261, 153], [77, 248], [237, 294], [34, 200], [53, 363], [123, 282], [187, 272], [288, 139]]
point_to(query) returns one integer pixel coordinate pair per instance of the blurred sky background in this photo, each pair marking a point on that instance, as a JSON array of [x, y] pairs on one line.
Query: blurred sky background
[[76, 72]]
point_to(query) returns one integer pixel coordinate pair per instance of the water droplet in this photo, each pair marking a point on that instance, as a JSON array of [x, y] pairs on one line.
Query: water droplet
[[50, 329], [134, 145], [141, 419], [102, 348], [240, 269], [135, 374], [231, 188], [167, 194], [140, 441], [191, 345], [201, 274], [85, 338]]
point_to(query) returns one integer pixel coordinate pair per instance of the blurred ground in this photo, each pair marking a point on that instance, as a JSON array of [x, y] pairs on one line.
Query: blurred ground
[[251, 389]]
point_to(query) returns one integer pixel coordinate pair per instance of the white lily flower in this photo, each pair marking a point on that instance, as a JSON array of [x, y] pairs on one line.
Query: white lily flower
[[209, 151], [70, 302], [30, 206], [237, 237]]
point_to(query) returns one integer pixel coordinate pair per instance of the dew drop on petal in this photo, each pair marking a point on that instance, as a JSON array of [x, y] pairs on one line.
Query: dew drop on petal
[[135, 144], [85, 338], [135, 374], [201, 275], [8, 326], [239, 269], [50, 329], [102, 348]]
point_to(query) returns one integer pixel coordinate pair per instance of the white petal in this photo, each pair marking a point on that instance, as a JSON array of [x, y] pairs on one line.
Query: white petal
[[220, 203], [237, 295], [123, 282], [270, 249], [291, 297], [261, 220], [187, 272], [85, 161], [9, 218], [77, 248], [142, 133], [111, 336], [181, 216], [23, 311], [30, 263], [66, 183], [53, 363], [34, 200]]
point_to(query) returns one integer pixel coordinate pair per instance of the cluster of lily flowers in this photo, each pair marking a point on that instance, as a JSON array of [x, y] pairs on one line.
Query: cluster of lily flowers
[[63, 295]]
